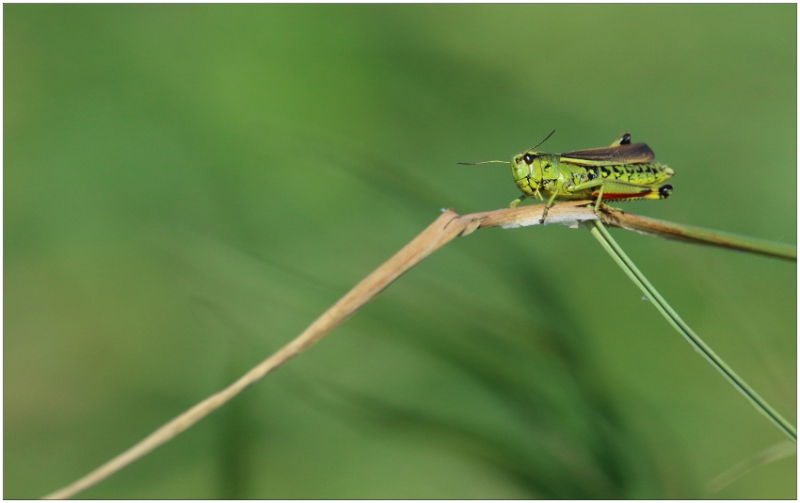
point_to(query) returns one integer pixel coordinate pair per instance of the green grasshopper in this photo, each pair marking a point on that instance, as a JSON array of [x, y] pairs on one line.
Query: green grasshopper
[[624, 171]]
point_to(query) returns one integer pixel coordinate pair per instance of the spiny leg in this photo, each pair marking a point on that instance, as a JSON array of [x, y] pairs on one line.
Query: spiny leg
[[627, 191], [600, 202]]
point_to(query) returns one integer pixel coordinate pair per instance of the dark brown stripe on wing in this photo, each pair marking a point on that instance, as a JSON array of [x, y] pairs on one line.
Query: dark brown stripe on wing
[[636, 153]]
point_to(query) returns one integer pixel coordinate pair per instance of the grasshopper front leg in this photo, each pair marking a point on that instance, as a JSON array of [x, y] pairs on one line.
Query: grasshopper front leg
[[515, 202], [521, 198]]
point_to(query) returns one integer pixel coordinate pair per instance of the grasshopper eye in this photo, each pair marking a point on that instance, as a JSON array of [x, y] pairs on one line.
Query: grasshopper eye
[[625, 140], [528, 158]]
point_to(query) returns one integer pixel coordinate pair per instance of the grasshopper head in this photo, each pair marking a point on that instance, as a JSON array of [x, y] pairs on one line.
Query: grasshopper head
[[526, 168]]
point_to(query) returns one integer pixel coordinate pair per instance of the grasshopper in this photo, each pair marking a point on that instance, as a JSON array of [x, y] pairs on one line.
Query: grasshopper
[[624, 171]]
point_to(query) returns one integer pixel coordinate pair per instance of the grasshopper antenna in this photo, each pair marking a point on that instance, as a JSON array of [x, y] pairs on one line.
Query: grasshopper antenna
[[483, 162], [546, 138], [506, 162]]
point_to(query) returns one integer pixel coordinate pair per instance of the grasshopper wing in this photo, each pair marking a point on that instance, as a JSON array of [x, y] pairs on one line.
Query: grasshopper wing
[[635, 153]]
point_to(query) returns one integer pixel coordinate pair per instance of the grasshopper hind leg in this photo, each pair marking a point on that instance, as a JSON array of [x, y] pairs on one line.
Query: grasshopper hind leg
[[599, 198], [600, 204]]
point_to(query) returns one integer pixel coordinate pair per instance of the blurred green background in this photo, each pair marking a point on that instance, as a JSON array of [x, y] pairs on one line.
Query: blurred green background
[[188, 187]]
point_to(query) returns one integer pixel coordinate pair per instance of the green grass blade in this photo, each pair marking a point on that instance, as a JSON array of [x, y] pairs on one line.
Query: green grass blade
[[602, 235]]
